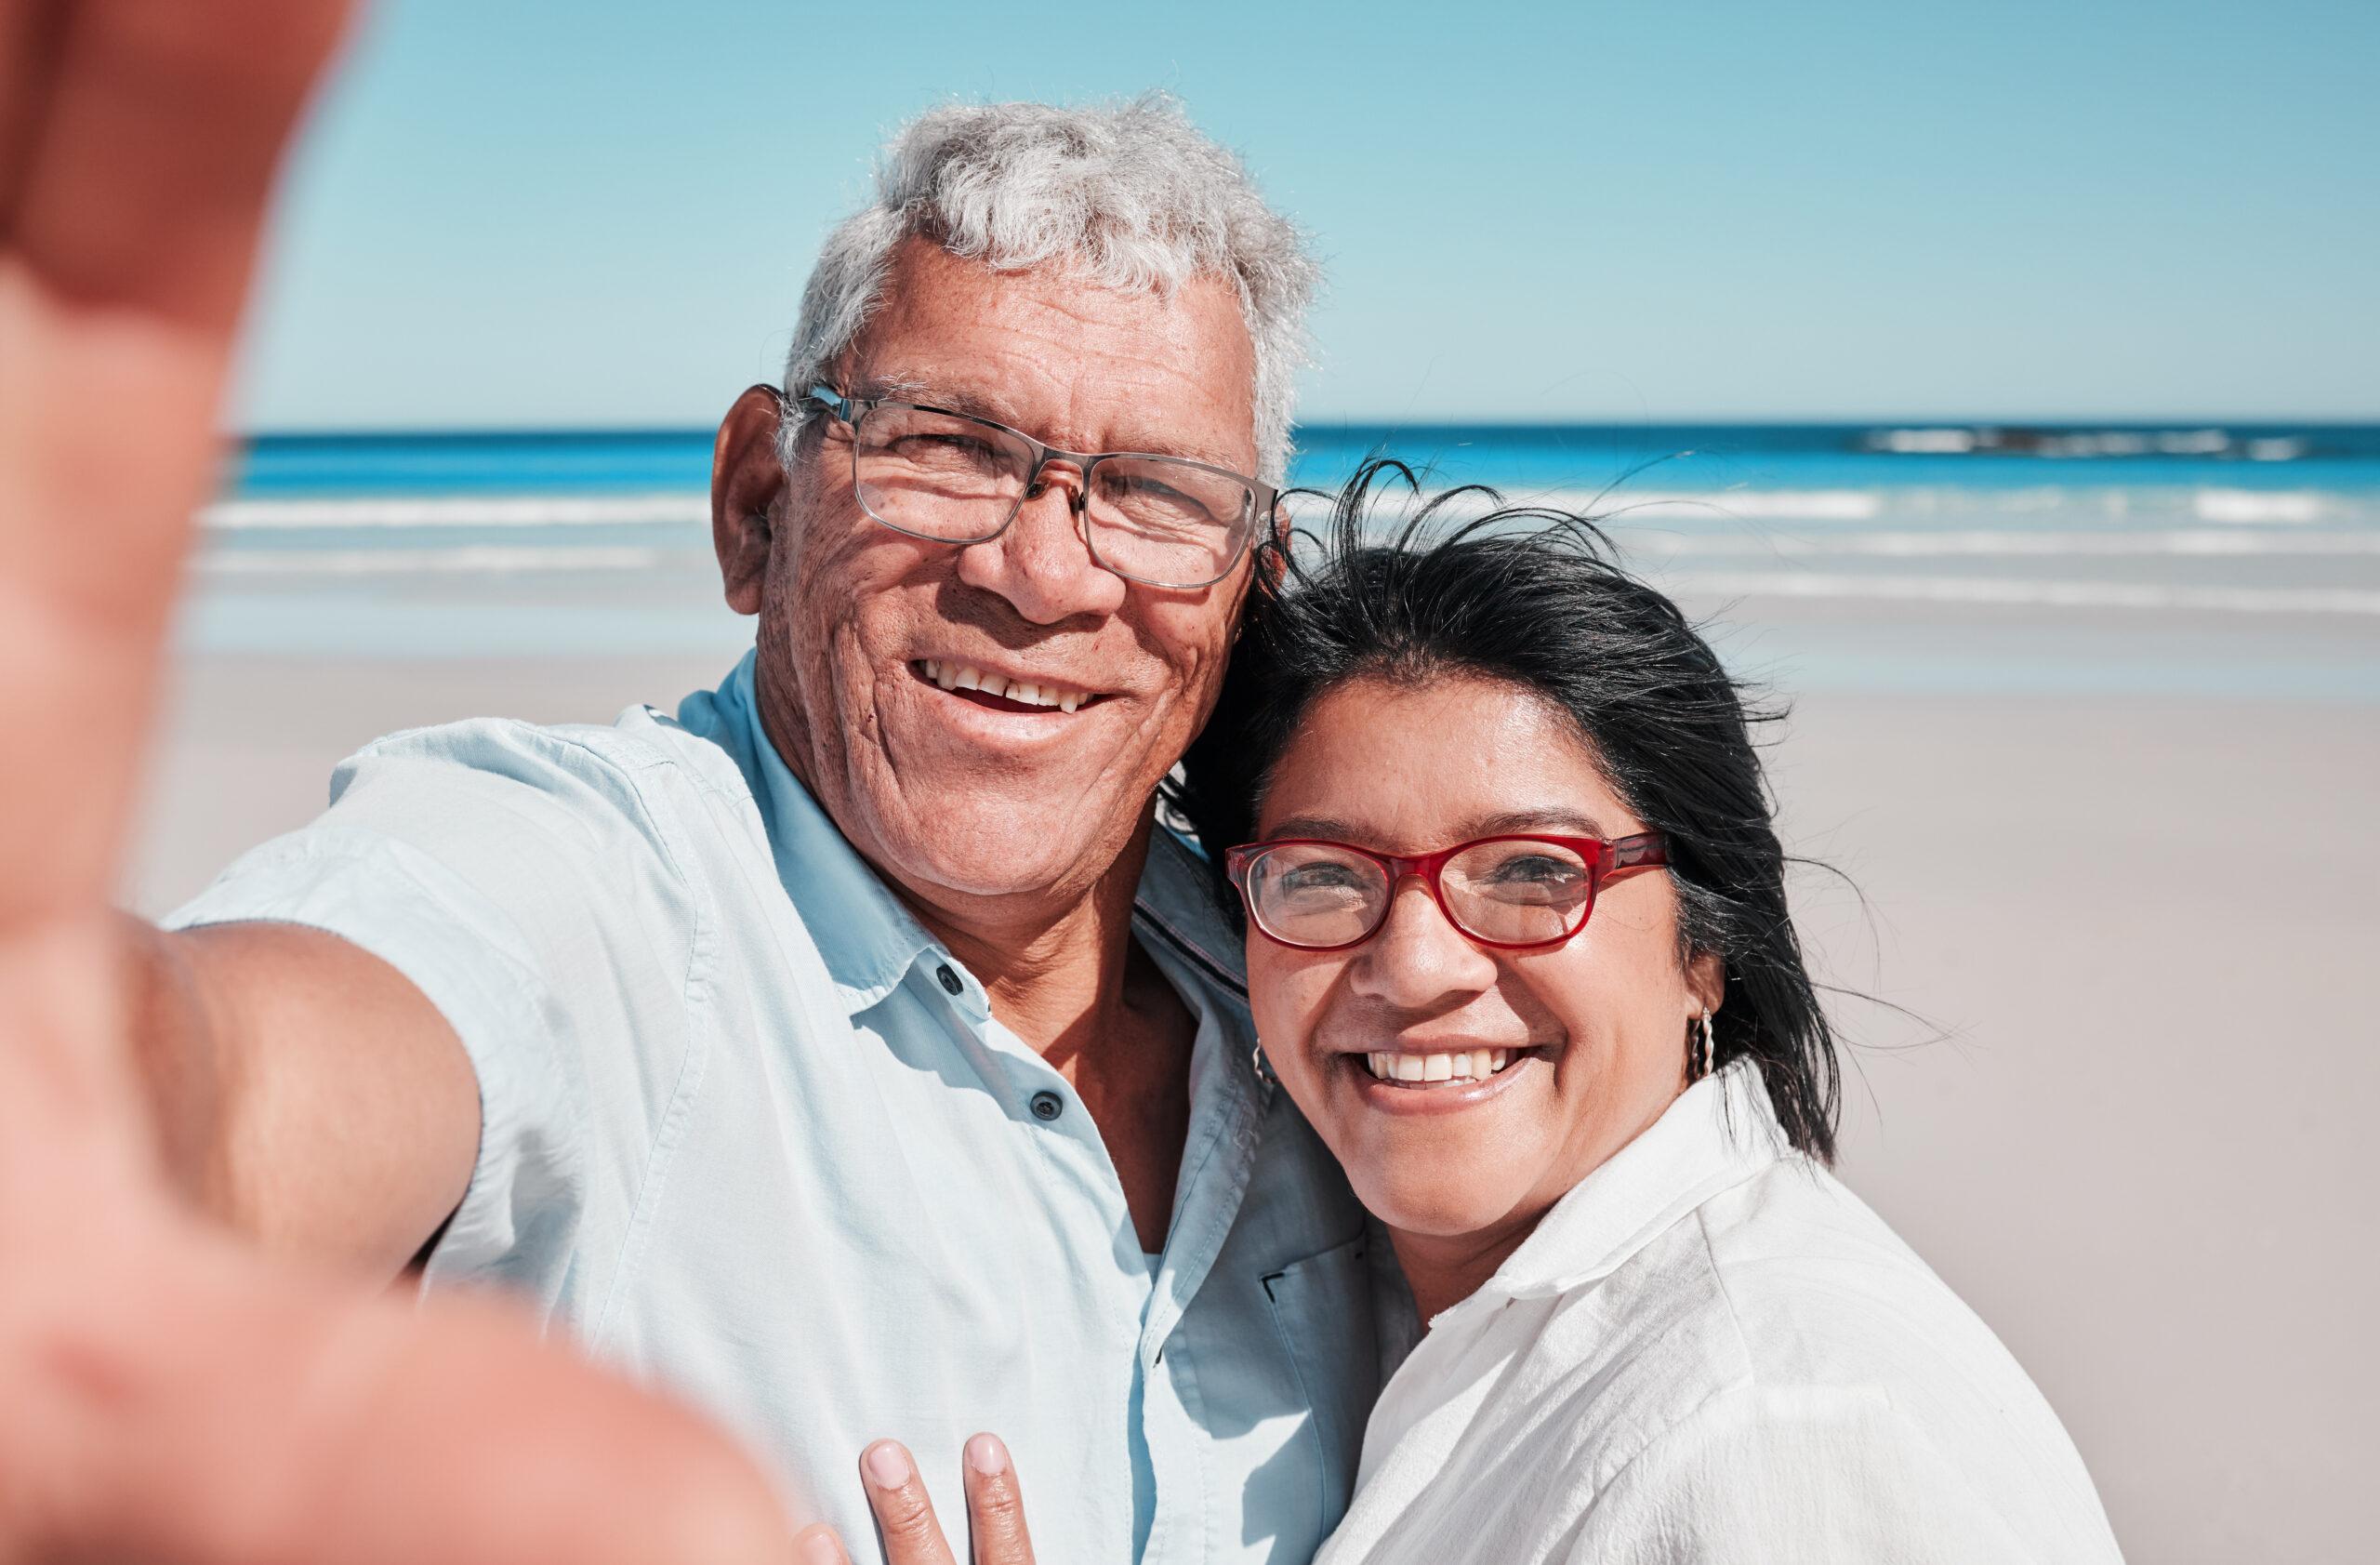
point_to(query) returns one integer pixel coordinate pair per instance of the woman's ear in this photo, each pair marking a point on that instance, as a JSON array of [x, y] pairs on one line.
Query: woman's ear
[[748, 490], [1706, 981]]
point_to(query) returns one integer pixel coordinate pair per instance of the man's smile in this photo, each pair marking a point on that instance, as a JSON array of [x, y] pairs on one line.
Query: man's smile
[[998, 692]]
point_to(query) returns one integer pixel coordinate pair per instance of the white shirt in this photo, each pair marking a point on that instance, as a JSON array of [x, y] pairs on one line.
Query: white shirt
[[1711, 1350]]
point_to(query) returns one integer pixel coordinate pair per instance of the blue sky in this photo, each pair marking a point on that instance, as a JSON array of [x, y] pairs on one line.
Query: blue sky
[[541, 214]]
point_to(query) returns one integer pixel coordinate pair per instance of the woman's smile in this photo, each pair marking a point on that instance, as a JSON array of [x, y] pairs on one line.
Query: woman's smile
[[1439, 1080]]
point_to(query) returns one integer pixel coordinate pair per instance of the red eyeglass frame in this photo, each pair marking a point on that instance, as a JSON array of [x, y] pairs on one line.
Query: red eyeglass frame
[[1606, 857]]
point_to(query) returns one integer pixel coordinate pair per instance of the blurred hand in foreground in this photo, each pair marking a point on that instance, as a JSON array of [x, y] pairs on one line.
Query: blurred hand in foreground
[[164, 1394]]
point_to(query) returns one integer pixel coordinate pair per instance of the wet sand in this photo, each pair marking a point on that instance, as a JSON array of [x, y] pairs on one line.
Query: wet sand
[[2126, 1121]]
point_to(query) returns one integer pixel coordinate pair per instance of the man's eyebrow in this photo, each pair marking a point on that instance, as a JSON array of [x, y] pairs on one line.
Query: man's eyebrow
[[958, 399]]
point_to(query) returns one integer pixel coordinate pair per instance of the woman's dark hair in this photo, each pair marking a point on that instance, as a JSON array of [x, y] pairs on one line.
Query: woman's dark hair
[[1533, 597]]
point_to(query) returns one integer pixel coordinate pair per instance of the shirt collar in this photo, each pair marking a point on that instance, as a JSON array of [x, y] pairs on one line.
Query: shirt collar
[[1718, 1132], [867, 939]]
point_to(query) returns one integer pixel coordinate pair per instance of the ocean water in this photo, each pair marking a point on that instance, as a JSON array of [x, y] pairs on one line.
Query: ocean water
[[2234, 561]]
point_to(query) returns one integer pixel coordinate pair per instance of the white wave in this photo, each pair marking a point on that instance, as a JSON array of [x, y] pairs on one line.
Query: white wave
[[2007, 594], [459, 510], [1798, 505], [1633, 506], [1924, 443], [2184, 541], [2260, 507], [481, 559]]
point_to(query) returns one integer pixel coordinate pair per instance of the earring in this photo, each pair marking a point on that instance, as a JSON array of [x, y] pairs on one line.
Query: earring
[[1702, 1048], [1256, 1062]]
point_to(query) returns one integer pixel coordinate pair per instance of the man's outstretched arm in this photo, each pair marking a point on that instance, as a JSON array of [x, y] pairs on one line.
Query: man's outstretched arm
[[302, 1092], [167, 1392]]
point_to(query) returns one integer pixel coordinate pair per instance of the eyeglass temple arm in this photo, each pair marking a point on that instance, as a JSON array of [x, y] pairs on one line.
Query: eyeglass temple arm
[[833, 400], [1646, 847]]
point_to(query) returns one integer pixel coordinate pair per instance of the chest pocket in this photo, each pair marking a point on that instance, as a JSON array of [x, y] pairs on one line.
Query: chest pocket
[[1323, 1308]]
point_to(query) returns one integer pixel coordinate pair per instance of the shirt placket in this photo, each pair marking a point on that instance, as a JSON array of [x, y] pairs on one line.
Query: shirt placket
[[1218, 1159]]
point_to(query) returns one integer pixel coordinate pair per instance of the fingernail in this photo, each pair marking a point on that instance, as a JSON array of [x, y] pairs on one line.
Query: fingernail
[[818, 1545], [986, 1456], [887, 1464]]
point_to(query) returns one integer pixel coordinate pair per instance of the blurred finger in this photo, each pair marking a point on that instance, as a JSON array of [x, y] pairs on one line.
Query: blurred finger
[[820, 1544], [904, 1512], [160, 126], [995, 1505], [29, 35], [138, 141], [292, 1423]]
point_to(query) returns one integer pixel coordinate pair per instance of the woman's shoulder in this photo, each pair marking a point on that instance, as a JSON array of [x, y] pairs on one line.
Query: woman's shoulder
[[1814, 1286], [1784, 1313]]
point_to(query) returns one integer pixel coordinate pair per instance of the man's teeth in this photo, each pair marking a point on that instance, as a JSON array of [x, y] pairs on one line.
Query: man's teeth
[[1472, 1065], [959, 676]]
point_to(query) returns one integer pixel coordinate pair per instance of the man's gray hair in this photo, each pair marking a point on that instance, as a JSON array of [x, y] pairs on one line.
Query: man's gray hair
[[1128, 195]]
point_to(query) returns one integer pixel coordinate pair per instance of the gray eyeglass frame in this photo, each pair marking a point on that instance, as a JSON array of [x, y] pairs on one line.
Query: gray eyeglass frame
[[1264, 498]]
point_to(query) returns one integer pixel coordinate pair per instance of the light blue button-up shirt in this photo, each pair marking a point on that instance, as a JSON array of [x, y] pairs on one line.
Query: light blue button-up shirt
[[751, 1131]]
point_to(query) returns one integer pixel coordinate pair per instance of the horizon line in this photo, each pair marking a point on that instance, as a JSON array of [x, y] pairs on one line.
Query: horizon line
[[633, 430]]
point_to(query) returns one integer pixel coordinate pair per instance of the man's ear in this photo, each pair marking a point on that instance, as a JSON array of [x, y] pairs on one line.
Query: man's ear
[[1273, 550], [748, 495]]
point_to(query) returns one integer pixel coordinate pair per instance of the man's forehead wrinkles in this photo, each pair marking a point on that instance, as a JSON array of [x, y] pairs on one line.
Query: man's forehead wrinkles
[[1096, 413], [1071, 363]]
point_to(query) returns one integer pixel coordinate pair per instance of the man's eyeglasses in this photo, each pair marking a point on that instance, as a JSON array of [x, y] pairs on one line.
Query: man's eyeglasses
[[1511, 892], [953, 478]]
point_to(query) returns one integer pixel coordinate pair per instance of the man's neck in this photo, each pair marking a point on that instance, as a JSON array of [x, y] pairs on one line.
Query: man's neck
[[1078, 989], [1065, 974], [1046, 969]]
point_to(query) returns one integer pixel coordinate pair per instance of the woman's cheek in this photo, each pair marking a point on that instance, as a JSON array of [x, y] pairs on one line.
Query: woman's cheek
[[1288, 997]]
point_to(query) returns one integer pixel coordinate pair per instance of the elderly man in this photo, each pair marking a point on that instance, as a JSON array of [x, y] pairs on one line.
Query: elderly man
[[849, 1052]]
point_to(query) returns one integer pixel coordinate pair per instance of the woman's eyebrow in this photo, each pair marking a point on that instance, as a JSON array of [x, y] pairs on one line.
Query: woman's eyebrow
[[1313, 825], [1555, 821]]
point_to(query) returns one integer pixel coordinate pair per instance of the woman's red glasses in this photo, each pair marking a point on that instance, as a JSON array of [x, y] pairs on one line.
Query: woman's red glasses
[[1518, 892]]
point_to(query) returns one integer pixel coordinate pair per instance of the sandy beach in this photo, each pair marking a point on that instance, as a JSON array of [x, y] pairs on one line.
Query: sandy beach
[[2121, 1118]]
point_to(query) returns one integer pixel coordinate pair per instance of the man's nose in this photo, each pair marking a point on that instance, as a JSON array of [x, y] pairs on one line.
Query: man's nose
[[1418, 957], [1042, 564]]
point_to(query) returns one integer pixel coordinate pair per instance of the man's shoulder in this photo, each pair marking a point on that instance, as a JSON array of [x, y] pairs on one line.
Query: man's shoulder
[[507, 813], [641, 740], [644, 769], [1178, 906]]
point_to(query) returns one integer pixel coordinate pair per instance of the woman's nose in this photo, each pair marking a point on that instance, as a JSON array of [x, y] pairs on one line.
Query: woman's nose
[[1418, 956]]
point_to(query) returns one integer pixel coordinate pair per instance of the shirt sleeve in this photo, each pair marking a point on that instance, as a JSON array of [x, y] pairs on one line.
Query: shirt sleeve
[[1798, 1475], [524, 879]]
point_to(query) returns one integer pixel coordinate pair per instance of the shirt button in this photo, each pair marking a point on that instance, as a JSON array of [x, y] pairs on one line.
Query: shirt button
[[1048, 1105], [950, 983]]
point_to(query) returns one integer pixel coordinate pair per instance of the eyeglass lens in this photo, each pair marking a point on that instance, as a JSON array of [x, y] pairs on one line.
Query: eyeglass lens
[[959, 481], [1513, 891]]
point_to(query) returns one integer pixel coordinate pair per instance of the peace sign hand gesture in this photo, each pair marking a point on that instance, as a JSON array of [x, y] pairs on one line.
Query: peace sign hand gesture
[[904, 1515]]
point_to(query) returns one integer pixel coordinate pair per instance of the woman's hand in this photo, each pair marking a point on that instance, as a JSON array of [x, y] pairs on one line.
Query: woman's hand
[[905, 1513]]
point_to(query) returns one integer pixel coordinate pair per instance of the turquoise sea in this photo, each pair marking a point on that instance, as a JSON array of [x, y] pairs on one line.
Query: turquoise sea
[[2159, 559]]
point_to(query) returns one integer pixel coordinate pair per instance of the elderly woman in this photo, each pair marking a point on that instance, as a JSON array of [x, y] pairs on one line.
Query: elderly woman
[[1518, 946]]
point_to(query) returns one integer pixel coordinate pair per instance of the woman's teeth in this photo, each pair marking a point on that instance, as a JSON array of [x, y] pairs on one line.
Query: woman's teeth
[[1472, 1065]]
